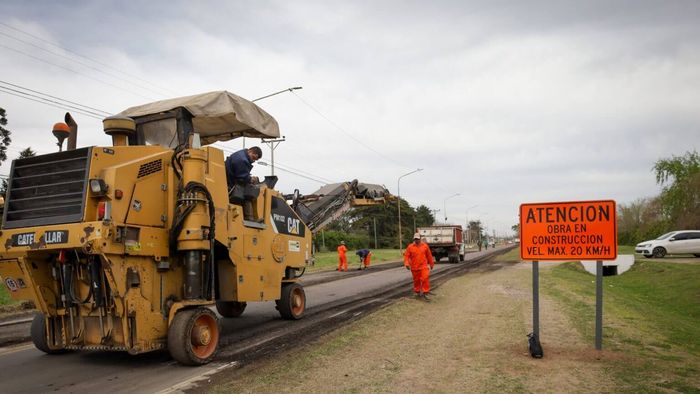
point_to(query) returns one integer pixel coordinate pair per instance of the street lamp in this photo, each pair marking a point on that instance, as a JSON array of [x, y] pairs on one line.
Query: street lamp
[[398, 192], [276, 93], [444, 207], [273, 143]]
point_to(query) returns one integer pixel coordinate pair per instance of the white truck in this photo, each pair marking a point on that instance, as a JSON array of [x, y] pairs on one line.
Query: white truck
[[444, 241]]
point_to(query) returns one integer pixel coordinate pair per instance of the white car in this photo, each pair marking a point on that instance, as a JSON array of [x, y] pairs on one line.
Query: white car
[[675, 242]]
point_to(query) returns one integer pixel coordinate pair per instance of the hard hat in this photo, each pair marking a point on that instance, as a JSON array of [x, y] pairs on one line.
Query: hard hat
[[342, 242], [416, 236]]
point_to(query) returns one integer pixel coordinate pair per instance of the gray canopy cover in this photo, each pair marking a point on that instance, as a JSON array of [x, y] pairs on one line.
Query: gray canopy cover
[[217, 116]]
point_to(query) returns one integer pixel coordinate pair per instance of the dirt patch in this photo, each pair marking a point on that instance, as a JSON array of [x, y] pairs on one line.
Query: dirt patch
[[470, 337], [15, 310]]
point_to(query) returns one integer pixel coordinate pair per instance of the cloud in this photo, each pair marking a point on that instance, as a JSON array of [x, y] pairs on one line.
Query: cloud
[[503, 102]]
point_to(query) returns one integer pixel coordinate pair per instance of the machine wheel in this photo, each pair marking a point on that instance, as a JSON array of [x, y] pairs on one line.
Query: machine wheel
[[293, 302], [461, 257], [659, 252], [696, 254], [453, 258], [38, 334], [193, 336], [230, 308]]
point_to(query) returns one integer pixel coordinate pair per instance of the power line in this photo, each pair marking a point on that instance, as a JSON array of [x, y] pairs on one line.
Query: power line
[[2, 89], [288, 169], [313, 108], [140, 86], [292, 172], [87, 58], [58, 98], [345, 132], [102, 114], [75, 72], [326, 180]]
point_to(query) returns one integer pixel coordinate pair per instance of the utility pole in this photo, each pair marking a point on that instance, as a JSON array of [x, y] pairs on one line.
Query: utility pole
[[375, 233], [273, 144]]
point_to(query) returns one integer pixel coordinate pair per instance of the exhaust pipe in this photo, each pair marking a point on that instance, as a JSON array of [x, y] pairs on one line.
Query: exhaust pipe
[[73, 137]]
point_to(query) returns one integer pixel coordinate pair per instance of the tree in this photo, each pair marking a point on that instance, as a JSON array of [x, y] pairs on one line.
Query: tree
[[640, 220], [474, 230], [680, 196], [5, 139], [28, 152], [424, 216], [22, 155], [360, 223], [516, 229]]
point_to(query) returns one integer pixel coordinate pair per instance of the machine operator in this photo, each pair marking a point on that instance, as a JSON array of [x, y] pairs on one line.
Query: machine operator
[[243, 187]]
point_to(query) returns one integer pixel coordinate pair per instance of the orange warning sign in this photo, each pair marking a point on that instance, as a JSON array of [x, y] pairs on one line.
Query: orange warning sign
[[576, 230]]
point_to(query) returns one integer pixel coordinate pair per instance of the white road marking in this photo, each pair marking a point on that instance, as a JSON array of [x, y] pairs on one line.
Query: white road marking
[[15, 349], [338, 314], [178, 388]]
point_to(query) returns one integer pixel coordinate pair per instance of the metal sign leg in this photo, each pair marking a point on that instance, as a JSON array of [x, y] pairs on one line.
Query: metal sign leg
[[536, 299], [534, 338], [599, 305]]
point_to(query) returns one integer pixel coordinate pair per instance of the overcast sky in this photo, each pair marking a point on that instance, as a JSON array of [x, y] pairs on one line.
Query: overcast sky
[[502, 102]]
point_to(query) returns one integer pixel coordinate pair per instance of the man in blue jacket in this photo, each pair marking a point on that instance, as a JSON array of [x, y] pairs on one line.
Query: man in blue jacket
[[242, 186]]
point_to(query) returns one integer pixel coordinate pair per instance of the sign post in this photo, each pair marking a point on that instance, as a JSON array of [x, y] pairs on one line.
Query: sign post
[[599, 305], [536, 299], [576, 230]]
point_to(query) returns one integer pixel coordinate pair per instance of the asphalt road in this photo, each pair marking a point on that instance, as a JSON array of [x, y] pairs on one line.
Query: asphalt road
[[23, 369]]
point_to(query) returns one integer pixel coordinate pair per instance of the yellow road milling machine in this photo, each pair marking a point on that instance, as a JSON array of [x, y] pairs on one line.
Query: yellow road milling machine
[[129, 247]]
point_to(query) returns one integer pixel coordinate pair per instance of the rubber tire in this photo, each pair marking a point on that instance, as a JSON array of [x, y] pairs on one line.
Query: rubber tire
[[452, 259], [659, 252], [180, 343], [648, 256], [461, 257], [230, 308], [286, 304], [38, 333], [696, 254]]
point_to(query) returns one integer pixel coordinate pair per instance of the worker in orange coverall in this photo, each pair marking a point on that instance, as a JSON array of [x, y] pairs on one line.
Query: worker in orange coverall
[[418, 258], [365, 258], [342, 258]]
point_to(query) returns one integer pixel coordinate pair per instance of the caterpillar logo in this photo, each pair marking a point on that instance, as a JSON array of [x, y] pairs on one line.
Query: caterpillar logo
[[285, 220], [293, 226], [49, 238]]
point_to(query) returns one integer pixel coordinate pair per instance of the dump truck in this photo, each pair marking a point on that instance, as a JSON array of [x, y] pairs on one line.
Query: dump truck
[[444, 241], [131, 247]]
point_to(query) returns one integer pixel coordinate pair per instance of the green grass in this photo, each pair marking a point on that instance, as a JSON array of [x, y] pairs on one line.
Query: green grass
[[625, 249], [326, 261], [5, 298], [512, 255], [651, 313]]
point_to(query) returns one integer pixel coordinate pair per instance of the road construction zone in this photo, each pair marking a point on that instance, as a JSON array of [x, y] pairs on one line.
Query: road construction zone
[[581, 230]]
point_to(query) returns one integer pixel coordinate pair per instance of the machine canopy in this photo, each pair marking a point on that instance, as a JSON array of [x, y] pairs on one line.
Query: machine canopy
[[216, 116]]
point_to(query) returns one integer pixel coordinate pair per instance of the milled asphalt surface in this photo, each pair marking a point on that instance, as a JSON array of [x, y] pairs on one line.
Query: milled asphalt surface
[[25, 369]]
